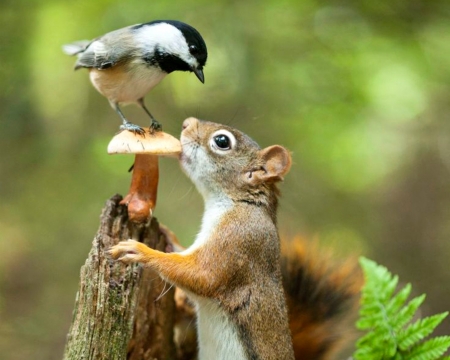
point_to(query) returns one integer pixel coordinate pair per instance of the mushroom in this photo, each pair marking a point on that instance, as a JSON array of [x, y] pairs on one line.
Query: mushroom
[[141, 198]]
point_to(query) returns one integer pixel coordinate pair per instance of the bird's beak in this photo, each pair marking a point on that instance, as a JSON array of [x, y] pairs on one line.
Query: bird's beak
[[199, 74]]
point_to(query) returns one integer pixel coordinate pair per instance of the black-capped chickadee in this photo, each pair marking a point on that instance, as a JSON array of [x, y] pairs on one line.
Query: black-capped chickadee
[[125, 64]]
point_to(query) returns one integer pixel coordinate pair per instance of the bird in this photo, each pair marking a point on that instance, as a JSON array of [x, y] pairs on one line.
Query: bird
[[125, 64]]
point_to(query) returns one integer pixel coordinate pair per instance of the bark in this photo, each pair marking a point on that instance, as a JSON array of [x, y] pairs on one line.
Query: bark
[[121, 312]]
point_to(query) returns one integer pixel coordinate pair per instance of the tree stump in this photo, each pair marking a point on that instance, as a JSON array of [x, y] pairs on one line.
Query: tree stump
[[121, 311]]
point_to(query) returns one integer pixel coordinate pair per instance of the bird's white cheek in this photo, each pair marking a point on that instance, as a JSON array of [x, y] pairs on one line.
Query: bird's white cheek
[[191, 61]]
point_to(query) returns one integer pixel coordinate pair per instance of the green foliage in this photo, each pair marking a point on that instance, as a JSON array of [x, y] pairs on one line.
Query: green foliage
[[388, 320], [357, 90]]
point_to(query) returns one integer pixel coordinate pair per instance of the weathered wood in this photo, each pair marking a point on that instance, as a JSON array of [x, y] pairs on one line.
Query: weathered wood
[[121, 312], [155, 311]]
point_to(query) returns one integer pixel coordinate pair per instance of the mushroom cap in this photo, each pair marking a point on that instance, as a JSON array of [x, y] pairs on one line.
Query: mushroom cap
[[158, 143]]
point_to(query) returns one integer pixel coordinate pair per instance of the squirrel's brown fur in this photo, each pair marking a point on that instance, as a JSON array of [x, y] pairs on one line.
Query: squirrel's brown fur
[[234, 271], [322, 296]]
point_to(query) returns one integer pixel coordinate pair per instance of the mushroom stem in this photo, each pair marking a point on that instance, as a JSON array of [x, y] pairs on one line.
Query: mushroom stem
[[141, 198]]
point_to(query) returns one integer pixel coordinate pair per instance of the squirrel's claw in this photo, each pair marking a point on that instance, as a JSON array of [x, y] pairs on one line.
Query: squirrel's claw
[[126, 251], [129, 258]]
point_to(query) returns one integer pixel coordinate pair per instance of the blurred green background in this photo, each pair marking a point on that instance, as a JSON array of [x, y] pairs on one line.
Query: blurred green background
[[358, 90]]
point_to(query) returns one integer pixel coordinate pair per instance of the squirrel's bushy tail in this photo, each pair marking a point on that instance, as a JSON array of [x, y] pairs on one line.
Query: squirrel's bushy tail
[[322, 296]]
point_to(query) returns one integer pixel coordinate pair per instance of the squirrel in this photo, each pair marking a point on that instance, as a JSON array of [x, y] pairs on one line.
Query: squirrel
[[254, 298]]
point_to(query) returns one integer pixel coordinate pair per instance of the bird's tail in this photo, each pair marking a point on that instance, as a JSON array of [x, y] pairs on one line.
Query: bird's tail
[[75, 47], [322, 296]]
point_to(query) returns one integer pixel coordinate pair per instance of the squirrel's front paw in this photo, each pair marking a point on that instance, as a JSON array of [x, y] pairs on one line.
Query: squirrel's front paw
[[127, 251]]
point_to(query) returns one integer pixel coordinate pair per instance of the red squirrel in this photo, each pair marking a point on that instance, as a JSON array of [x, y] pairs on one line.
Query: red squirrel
[[234, 273]]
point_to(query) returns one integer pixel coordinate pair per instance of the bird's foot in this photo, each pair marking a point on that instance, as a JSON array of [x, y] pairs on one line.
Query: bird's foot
[[155, 126], [133, 128]]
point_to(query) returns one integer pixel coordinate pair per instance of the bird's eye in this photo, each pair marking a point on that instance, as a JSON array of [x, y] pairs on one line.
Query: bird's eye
[[193, 49], [222, 141]]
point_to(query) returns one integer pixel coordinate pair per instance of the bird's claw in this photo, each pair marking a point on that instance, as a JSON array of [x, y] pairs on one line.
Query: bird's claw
[[133, 128], [155, 126]]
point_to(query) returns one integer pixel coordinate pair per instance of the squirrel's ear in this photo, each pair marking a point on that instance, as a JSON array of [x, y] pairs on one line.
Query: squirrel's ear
[[276, 162]]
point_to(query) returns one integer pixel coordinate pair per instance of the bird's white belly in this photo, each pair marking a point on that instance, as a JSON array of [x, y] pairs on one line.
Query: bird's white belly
[[217, 335], [122, 85]]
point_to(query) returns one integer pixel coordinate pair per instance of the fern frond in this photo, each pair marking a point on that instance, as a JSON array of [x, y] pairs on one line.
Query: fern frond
[[387, 319], [419, 330], [431, 349], [396, 303], [406, 314]]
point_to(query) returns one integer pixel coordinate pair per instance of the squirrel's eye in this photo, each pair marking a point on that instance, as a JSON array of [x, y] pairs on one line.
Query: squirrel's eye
[[193, 49], [222, 142]]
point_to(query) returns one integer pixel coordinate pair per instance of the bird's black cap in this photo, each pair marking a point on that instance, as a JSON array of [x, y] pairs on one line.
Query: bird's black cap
[[193, 38]]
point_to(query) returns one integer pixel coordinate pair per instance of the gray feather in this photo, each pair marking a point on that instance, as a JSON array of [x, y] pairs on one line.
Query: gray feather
[[75, 47], [114, 49]]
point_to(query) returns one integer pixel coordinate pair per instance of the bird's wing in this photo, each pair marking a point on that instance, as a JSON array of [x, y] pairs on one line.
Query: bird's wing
[[76, 47], [105, 52]]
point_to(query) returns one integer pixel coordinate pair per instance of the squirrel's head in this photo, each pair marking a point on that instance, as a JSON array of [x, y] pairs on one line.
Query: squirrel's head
[[222, 161]]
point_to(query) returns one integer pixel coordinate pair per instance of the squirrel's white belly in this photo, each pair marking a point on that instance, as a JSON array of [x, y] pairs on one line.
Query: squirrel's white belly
[[217, 335]]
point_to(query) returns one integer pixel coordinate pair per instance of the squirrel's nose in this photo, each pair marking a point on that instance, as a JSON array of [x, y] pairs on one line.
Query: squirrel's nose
[[189, 122]]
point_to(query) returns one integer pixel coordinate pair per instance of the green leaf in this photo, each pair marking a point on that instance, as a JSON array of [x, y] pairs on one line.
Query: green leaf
[[390, 336], [405, 315], [398, 300], [431, 349], [371, 321], [419, 330]]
